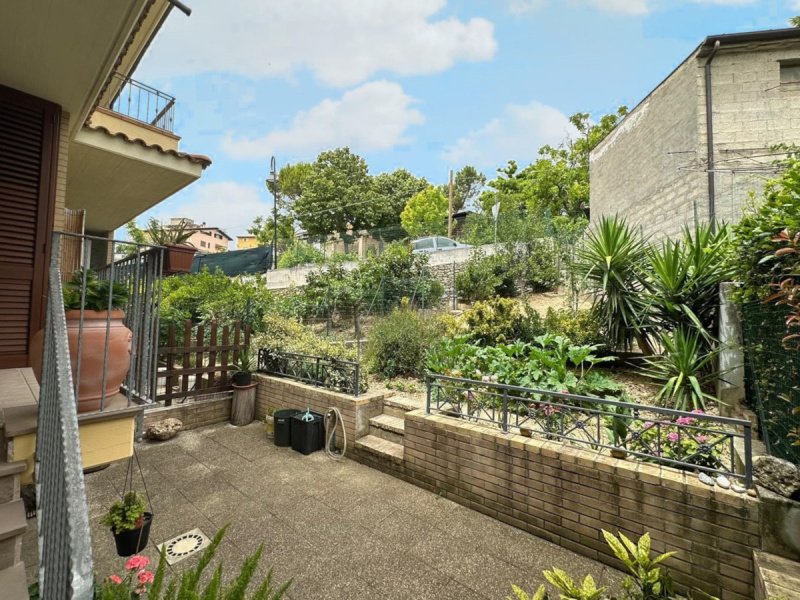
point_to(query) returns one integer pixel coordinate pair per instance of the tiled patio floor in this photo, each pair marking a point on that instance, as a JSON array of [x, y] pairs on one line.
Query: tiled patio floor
[[339, 529]]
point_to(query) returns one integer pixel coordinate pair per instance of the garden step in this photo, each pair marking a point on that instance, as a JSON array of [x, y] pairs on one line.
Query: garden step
[[12, 519], [9, 480], [388, 427], [397, 406], [776, 577], [13, 583], [382, 448]]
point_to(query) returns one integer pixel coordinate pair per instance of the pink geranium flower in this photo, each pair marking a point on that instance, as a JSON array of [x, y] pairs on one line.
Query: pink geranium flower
[[115, 579], [137, 562], [673, 437], [684, 420], [146, 577]]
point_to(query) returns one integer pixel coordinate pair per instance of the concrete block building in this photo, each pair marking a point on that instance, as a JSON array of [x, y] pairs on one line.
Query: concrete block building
[[697, 146]]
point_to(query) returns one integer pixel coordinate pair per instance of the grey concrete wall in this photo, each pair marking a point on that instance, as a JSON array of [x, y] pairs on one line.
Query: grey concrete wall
[[653, 167], [636, 171]]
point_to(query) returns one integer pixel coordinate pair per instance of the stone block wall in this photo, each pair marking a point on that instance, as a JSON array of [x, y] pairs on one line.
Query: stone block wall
[[275, 393], [194, 413], [568, 495]]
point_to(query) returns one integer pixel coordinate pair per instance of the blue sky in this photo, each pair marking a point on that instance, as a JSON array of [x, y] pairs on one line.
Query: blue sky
[[427, 85]]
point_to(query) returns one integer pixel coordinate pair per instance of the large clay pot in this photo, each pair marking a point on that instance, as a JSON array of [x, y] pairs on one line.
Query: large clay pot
[[93, 350]]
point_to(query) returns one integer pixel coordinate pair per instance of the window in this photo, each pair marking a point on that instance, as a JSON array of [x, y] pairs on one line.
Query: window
[[443, 242], [424, 244], [218, 236], [220, 248], [790, 71], [203, 244]]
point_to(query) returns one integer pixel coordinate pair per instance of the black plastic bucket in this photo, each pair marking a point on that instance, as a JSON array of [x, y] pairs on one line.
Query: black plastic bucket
[[308, 436], [283, 426]]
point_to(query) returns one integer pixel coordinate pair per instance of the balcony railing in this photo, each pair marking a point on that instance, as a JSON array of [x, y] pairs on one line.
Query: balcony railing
[[137, 271], [144, 103]]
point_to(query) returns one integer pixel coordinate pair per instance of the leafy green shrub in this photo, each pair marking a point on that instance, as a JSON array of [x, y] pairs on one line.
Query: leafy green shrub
[[538, 265], [300, 253], [288, 335], [581, 326], [398, 343], [754, 260], [96, 296], [139, 582], [126, 514], [610, 263], [686, 370], [647, 579], [502, 320], [487, 276]]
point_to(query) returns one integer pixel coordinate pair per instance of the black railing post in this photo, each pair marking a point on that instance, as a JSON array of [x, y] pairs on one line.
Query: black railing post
[[356, 380], [748, 455], [505, 411], [428, 382]]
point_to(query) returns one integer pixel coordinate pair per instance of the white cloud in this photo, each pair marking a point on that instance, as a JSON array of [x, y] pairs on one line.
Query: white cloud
[[228, 205], [517, 134], [625, 7], [794, 5], [341, 43], [374, 116]]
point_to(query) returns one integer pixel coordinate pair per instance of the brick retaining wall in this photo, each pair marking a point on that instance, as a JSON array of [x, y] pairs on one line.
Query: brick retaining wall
[[567, 495], [275, 393], [194, 413]]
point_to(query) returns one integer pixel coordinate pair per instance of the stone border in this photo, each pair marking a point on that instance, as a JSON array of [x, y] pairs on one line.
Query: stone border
[[205, 410], [567, 495], [275, 393]]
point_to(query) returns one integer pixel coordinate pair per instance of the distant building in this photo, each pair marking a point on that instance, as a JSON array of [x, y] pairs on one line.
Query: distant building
[[206, 239], [670, 162], [244, 242]]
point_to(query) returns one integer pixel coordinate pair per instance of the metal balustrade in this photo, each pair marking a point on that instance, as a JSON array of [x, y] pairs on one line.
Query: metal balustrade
[[692, 441], [144, 103], [337, 375]]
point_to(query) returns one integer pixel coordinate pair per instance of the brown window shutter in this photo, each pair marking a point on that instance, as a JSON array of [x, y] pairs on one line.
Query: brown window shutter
[[28, 156]]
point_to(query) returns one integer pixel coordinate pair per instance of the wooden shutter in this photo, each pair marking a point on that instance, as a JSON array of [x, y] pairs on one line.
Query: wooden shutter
[[28, 156]]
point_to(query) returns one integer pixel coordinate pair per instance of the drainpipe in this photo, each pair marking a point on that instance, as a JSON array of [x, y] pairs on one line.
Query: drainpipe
[[710, 139]]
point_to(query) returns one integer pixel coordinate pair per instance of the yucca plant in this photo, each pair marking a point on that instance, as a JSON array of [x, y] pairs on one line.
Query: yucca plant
[[686, 368], [683, 278], [610, 263]]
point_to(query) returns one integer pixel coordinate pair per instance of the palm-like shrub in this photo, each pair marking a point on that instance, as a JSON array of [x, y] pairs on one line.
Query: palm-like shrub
[[686, 370], [611, 263], [683, 278]]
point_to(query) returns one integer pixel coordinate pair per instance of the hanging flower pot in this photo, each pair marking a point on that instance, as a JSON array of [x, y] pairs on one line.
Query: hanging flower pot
[[130, 523]]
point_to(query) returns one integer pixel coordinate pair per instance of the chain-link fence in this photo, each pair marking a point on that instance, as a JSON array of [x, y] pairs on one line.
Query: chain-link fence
[[772, 375]]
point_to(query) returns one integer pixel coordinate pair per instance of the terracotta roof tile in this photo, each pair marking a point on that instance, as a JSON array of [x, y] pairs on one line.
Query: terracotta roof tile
[[200, 159]]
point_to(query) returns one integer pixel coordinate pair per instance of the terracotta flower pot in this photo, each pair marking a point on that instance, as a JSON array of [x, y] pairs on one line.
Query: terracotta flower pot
[[178, 259], [93, 348]]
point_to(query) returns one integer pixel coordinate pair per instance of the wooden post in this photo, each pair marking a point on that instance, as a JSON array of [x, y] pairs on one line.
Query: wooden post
[[243, 406], [450, 208]]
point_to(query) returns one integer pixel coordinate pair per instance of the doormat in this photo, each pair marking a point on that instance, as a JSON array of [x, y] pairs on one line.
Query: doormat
[[184, 546]]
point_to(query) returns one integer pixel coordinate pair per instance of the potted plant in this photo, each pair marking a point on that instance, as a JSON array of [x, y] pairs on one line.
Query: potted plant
[[130, 523], [617, 426], [179, 254], [99, 352], [243, 375]]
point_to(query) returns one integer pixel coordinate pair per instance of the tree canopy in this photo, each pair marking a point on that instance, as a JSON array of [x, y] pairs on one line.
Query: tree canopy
[[425, 213]]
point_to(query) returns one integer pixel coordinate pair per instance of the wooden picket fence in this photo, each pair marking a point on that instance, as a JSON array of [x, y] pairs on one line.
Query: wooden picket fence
[[203, 363]]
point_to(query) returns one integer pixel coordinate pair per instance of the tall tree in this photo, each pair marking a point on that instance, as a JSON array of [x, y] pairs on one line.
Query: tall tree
[[262, 228], [425, 213], [393, 190], [336, 194]]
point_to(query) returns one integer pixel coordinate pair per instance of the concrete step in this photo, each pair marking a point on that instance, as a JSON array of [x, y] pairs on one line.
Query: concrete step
[[397, 406], [9, 480], [13, 583], [776, 577], [12, 520], [383, 449], [388, 427]]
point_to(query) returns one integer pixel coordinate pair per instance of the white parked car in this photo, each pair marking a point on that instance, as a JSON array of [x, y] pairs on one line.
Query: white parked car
[[435, 244]]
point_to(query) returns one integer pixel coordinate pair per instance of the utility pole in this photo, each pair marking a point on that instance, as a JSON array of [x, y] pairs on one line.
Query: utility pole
[[450, 208], [274, 179]]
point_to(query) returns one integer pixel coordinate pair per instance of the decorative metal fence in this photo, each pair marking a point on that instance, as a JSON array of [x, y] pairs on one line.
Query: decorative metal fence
[[198, 361], [337, 375], [686, 440], [65, 547], [772, 378], [138, 277], [144, 103]]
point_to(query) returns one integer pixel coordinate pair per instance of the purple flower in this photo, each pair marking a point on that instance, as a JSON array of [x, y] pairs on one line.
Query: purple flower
[[647, 425], [697, 411], [673, 437], [685, 420], [702, 439]]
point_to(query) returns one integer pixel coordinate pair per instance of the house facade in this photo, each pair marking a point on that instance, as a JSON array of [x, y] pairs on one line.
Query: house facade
[[246, 242], [697, 146], [206, 239]]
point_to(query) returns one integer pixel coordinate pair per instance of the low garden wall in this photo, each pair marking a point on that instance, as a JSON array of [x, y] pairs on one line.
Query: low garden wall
[[194, 413], [275, 393], [567, 495]]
